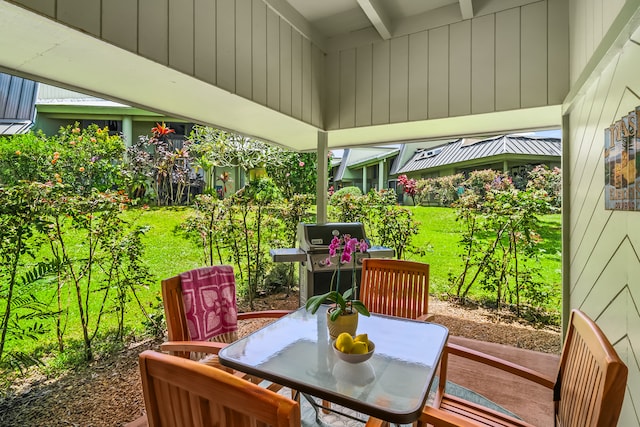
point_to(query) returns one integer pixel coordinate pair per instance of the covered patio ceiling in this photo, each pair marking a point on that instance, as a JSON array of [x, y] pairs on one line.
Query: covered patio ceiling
[[41, 49]]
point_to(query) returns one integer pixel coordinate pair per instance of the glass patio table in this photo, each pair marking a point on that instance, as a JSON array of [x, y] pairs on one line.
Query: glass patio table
[[296, 351]]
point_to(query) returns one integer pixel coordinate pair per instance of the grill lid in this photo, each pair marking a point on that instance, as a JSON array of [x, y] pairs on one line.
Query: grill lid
[[316, 237]]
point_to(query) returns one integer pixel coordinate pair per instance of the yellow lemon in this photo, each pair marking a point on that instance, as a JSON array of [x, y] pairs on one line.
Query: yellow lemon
[[359, 347], [344, 342], [362, 338]]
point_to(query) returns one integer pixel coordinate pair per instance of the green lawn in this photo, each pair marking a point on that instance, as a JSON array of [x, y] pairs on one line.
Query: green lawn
[[440, 232], [168, 254]]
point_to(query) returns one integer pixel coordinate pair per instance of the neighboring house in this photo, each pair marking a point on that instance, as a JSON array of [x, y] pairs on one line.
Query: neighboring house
[[27, 105], [17, 104], [57, 107], [379, 167], [512, 154], [365, 168]]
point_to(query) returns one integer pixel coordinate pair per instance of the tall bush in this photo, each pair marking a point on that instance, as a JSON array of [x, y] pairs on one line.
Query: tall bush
[[290, 213], [54, 190], [386, 224], [250, 229], [22, 313], [214, 148], [102, 266], [408, 187], [501, 240], [207, 228], [348, 205]]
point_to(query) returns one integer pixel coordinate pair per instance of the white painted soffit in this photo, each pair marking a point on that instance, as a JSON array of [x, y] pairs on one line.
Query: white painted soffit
[[503, 122], [38, 48]]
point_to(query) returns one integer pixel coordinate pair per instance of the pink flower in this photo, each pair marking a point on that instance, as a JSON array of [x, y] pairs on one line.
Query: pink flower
[[350, 245], [301, 164], [334, 246]]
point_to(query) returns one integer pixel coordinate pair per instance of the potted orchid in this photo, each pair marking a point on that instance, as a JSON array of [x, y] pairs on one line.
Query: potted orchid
[[344, 248]]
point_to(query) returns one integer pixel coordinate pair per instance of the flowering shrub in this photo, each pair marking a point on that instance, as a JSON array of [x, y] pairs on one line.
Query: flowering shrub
[[408, 187], [549, 181], [294, 173], [443, 189], [82, 159]]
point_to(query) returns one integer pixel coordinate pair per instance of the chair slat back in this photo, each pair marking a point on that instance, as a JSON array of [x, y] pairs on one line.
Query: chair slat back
[[174, 314], [180, 392], [592, 378], [395, 287]]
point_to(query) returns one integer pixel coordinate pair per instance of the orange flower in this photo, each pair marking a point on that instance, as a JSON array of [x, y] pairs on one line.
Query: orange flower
[[81, 168], [72, 143], [75, 130], [18, 152], [53, 162], [93, 139], [161, 130]]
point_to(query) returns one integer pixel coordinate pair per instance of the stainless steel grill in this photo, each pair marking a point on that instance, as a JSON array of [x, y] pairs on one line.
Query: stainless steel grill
[[313, 250]]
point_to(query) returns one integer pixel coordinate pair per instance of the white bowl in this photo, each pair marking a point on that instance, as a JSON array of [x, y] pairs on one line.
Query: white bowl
[[355, 358]]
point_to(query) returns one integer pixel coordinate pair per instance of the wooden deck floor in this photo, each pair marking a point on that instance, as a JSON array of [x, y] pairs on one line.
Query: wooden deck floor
[[531, 402]]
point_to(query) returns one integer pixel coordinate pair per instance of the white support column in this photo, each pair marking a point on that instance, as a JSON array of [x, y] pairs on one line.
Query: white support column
[[127, 130], [364, 180], [381, 177], [323, 178]]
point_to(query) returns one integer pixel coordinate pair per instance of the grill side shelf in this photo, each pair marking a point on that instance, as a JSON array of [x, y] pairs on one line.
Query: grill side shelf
[[288, 255]]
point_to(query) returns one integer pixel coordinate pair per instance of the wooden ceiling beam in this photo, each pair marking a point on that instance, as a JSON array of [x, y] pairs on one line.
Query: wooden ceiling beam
[[466, 7], [377, 16]]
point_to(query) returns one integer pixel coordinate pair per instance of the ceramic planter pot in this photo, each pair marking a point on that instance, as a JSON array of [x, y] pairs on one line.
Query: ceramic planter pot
[[344, 323]]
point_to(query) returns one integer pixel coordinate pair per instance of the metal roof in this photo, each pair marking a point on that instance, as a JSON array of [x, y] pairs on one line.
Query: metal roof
[[374, 158], [466, 149], [17, 104], [361, 157]]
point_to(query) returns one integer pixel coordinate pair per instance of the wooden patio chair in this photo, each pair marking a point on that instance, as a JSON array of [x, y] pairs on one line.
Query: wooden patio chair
[[181, 392], [589, 389], [180, 342], [396, 288]]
